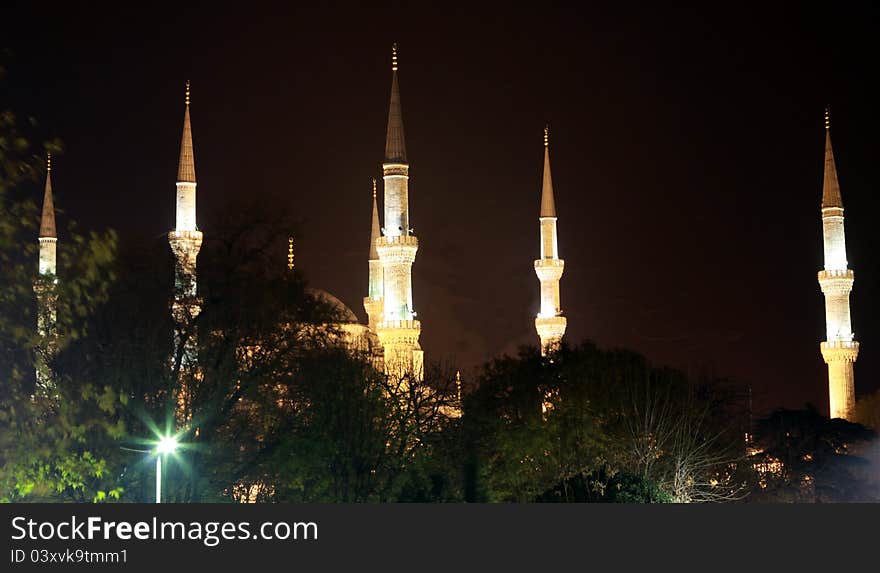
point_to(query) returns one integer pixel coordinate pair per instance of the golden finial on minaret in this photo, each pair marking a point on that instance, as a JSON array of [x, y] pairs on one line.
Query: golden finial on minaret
[[547, 135], [827, 117], [187, 92], [394, 57], [290, 253], [458, 384], [48, 161], [374, 187]]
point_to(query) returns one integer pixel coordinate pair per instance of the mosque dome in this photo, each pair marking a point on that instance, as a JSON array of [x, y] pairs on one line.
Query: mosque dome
[[345, 314]]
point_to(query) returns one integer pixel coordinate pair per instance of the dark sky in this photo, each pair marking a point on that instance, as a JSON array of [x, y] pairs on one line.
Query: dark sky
[[687, 152]]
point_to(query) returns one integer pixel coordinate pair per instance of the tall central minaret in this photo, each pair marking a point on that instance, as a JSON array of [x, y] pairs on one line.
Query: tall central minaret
[[185, 241], [373, 300], [398, 329], [839, 349], [44, 287], [549, 323]]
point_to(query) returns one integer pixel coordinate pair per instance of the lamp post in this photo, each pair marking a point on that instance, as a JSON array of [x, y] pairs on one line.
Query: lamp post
[[166, 445]]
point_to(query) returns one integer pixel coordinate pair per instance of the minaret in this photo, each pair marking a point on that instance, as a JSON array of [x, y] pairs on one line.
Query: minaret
[[839, 349], [549, 323], [373, 300], [44, 286], [398, 330], [185, 241]]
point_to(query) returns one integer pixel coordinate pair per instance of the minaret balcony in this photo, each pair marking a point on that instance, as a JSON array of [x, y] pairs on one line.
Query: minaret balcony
[[399, 332], [397, 249], [836, 281], [400, 324], [832, 212], [185, 244], [551, 327], [840, 350], [549, 263], [395, 169], [549, 269], [397, 240], [186, 236], [835, 273]]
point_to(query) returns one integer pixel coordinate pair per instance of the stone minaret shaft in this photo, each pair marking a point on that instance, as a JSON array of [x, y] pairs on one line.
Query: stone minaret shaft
[[44, 286], [373, 300], [398, 329], [549, 323], [185, 241], [836, 280]]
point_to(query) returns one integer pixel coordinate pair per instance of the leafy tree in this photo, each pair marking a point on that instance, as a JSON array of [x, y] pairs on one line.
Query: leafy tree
[[359, 435], [45, 439], [802, 456], [586, 424], [525, 448]]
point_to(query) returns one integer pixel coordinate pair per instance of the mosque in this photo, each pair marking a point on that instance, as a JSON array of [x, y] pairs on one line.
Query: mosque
[[392, 332]]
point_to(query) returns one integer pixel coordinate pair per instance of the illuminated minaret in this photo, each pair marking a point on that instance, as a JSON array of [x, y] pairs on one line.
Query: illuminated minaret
[[549, 323], [839, 349], [373, 300], [44, 287], [398, 330], [185, 240]]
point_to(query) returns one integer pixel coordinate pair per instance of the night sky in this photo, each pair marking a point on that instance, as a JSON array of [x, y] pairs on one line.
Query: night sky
[[687, 154]]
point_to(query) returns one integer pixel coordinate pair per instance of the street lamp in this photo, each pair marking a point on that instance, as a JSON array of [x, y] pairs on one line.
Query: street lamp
[[166, 445]]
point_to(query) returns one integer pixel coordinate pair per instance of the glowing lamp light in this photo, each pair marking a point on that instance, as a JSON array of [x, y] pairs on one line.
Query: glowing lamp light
[[167, 445]]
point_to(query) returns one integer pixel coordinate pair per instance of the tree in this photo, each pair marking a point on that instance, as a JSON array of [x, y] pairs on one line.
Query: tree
[[360, 435], [45, 450], [688, 438], [592, 425], [533, 424], [802, 456]]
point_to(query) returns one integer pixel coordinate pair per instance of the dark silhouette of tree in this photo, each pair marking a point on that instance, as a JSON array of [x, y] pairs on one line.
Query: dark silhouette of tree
[[570, 426], [802, 456], [45, 439]]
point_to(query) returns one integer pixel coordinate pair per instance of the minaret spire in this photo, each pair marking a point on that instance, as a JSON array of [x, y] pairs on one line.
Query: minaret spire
[[186, 168], [830, 188], [550, 324], [374, 230], [395, 145], [373, 300], [47, 220], [839, 350], [548, 205]]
